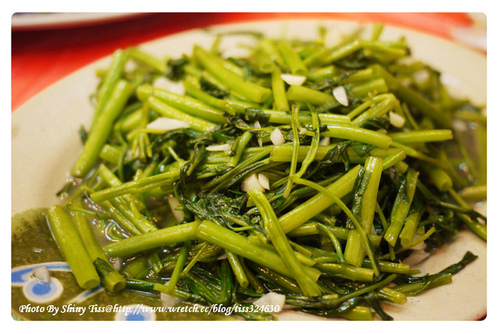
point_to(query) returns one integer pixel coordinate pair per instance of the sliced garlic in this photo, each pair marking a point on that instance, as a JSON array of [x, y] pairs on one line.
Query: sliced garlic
[[264, 181], [277, 137], [174, 204], [257, 126], [293, 80], [166, 124], [272, 299], [396, 120], [340, 95], [42, 274], [252, 182], [169, 300], [218, 148]]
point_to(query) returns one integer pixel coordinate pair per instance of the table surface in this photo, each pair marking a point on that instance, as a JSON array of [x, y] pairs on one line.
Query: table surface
[[45, 54]]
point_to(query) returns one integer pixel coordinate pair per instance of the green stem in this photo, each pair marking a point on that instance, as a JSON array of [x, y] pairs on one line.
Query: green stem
[[241, 246], [380, 108], [322, 73], [393, 296], [390, 267], [301, 214], [335, 241], [474, 193], [438, 176], [282, 245], [346, 271], [179, 265], [270, 276], [212, 64], [358, 134], [113, 75], [369, 87], [283, 153], [102, 129], [148, 59], [422, 136], [139, 243], [279, 92], [129, 211], [291, 59], [330, 194], [184, 103], [366, 200], [283, 117], [118, 217], [263, 62], [111, 154], [419, 287], [311, 154], [411, 225], [206, 98], [295, 152], [419, 155], [72, 247], [308, 95], [412, 97], [238, 270], [401, 206], [166, 110], [139, 186], [243, 141], [358, 313], [110, 278]]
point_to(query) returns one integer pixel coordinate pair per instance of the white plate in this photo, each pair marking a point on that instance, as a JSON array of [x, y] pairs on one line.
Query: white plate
[[45, 144], [25, 21]]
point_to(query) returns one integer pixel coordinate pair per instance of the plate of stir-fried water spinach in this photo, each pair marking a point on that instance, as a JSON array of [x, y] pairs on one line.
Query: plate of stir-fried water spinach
[[261, 171]]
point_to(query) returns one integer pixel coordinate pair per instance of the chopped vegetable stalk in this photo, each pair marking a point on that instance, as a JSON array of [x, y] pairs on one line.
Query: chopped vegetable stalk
[[365, 200], [148, 241], [111, 279], [102, 129], [113, 75], [279, 240], [279, 92], [183, 103], [249, 90], [401, 206], [298, 216], [72, 247], [357, 134], [241, 246], [164, 109]]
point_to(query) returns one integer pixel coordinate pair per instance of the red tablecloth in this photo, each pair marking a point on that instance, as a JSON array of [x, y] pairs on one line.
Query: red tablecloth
[[41, 57]]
